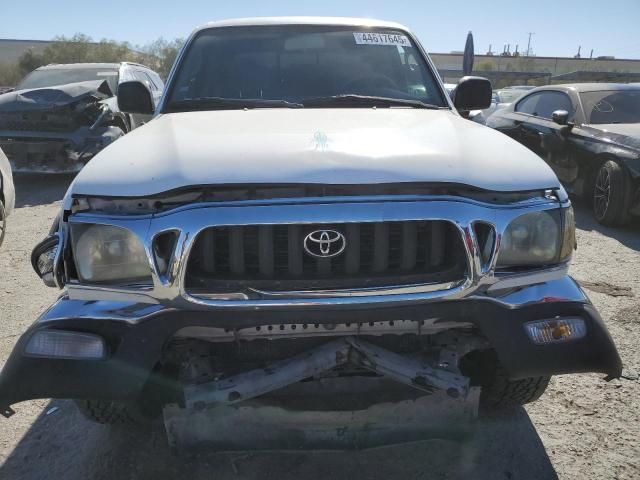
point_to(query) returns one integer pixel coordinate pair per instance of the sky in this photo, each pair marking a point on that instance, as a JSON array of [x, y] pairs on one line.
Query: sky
[[609, 28]]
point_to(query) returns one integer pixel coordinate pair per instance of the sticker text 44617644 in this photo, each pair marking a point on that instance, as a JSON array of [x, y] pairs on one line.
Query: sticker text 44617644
[[366, 38]]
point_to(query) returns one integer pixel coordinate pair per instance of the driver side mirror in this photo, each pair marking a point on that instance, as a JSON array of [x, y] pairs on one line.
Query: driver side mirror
[[472, 93], [135, 97], [561, 117]]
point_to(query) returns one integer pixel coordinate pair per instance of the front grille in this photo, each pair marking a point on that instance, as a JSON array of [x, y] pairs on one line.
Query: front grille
[[37, 122], [272, 257], [34, 151]]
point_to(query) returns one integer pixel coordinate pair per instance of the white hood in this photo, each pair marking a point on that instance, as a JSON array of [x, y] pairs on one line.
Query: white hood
[[322, 146]]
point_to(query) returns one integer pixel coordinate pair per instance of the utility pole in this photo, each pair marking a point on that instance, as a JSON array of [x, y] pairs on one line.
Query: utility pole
[[529, 43]]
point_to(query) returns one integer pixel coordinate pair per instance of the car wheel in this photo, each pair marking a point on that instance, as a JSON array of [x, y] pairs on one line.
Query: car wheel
[[610, 193], [3, 222]]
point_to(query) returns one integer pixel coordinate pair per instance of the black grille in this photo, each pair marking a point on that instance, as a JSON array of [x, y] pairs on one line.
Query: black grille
[[37, 122], [230, 259]]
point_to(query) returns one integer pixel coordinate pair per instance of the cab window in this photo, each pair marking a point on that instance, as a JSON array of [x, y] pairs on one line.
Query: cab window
[[550, 102], [528, 104]]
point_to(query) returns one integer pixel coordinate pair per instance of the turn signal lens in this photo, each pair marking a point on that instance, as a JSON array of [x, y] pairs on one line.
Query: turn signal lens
[[62, 344], [555, 330]]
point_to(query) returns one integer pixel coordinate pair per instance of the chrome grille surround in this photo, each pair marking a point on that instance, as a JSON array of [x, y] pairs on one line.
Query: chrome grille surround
[[190, 220]]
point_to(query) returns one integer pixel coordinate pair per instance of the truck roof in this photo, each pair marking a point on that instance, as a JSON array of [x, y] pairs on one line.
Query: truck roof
[[73, 66], [591, 87], [342, 21]]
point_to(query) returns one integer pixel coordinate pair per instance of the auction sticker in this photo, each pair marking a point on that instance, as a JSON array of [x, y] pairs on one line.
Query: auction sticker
[[365, 38]]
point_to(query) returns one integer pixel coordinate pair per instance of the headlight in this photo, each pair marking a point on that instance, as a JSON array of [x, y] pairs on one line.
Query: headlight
[[109, 254], [538, 238]]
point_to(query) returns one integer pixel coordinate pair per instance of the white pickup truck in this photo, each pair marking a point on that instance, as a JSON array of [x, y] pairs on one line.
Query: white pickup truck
[[307, 232]]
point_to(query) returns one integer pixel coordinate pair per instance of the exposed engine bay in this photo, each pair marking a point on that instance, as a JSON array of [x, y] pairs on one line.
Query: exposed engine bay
[[58, 129]]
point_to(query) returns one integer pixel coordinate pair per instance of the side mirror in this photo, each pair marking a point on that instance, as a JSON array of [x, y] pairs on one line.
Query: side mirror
[[45, 259], [134, 97], [561, 117], [473, 93]]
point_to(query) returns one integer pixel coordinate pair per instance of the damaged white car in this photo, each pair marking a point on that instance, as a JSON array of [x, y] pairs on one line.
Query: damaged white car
[[310, 248], [7, 194], [60, 116]]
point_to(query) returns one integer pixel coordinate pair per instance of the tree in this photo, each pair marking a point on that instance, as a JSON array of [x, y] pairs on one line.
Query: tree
[[164, 53], [158, 55], [486, 66], [29, 61]]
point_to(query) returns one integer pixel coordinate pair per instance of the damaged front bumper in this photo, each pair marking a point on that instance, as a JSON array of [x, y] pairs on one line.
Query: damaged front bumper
[[55, 152], [134, 335], [273, 407]]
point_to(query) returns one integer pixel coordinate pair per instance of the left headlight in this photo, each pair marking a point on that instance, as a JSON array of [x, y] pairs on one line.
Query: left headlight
[[538, 238], [107, 254]]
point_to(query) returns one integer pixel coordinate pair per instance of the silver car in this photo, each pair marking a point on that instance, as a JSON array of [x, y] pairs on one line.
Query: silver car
[[500, 99]]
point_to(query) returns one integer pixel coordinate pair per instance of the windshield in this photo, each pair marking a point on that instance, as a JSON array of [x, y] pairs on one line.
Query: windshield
[[509, 96], [296, 63], [52, 76], [611, 106]]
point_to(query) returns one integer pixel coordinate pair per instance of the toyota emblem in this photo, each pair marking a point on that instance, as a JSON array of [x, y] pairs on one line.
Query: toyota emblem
[[324, 243]]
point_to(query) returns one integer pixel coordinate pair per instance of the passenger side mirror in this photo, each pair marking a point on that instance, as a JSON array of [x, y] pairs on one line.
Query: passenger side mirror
[[134, 97], [561, 117], [472, 93]]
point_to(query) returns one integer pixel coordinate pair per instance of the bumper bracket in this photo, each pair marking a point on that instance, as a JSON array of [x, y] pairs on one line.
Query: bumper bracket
[[251, 384]]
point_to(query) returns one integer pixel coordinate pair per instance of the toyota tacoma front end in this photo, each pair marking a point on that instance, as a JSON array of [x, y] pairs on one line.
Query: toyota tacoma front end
[[307, 225]]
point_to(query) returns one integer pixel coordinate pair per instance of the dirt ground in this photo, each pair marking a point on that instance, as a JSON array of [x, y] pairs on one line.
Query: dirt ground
[[583, 427]]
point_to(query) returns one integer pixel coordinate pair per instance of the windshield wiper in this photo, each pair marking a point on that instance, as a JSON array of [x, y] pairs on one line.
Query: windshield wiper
[[219, 103], [351, 100]]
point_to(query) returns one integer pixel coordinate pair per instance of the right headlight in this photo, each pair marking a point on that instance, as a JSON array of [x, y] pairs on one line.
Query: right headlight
[[108, 254], [538, 238]]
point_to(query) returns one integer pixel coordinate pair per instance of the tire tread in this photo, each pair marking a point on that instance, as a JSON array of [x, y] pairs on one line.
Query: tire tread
[[106, 412], [502, 392]]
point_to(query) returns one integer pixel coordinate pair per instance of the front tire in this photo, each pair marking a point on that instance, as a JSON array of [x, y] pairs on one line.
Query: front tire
[[610, 194], [500, 392], [109, 413]]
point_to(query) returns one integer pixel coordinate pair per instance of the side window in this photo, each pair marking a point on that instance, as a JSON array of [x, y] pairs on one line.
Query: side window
[[552, 101], [528, 104], [144, 79], [543, 104], [157, 80], [152, 82], [126, 75]]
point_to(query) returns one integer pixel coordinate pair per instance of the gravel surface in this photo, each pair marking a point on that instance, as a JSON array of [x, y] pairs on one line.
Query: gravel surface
[[583, 427]]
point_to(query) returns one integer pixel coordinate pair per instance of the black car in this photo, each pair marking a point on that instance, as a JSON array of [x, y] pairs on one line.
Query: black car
[[589, 134]]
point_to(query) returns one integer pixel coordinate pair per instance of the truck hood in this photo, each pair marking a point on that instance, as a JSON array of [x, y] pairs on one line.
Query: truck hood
[[311, 146], [48, 98]]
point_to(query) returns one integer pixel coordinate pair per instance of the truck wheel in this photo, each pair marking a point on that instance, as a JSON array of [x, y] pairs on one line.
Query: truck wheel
[[108, 412], [501, 392], [610, 193]]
